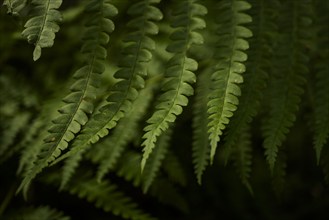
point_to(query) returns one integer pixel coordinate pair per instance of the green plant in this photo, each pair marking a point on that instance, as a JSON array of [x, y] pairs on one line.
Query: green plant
[[159, 88]]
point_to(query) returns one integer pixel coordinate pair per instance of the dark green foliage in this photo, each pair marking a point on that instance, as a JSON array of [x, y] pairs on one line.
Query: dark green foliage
[[169, 110]]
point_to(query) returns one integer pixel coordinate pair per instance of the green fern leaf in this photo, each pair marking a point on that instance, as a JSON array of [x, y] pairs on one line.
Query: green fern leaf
[[40, 213], [321, 107], [288, 78], [179, 73], [40, 29], [257, 70], [153, 164], [201, 145], [73, 115], [227, 73], [106, 195], [242, 156], [131, 77], [122, 134]]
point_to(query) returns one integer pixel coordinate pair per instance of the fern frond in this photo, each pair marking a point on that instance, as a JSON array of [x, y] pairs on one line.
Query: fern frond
[[288, 77], [179, 73], [131, 76], [109, 151], [79, 103], [321, 108], [155, 160], [242, 156], [39, 213], [279, 174], [106, 195], [257, 69], [226, 75], [14, 6], [40, 29], [201, 145]]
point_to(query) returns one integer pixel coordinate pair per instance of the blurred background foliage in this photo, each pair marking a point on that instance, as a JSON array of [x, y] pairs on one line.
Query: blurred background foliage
[[297, 189]]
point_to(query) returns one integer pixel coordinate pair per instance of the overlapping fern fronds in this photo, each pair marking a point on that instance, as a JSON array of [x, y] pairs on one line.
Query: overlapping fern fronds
[[79, 103], [187, 19], [227, 74], [288, 76], [133, 70]]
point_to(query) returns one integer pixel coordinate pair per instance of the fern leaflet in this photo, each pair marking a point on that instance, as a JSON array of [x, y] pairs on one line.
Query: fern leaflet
[[227, 73], [288, 78], [201, 148], [257, 73], [153, 164], [179, 73]]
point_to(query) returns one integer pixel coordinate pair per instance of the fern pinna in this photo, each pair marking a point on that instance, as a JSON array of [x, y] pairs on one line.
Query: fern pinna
[[179, 73], [79, 103], [230, 58]]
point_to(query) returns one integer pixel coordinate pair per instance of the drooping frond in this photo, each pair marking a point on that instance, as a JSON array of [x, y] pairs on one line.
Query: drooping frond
[[40, 29], [107, 153], [230, 58], [242, 156], [79, 103], [258, 67], [38, 213], [321, 107], [279, 174], [179, 73], [133, 70], [288, 76], [106, 195], [201, 145], [14, 6], [155, 160]]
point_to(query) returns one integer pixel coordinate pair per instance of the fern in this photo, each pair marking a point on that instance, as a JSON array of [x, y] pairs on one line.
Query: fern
[[73, 114], [242, 157], [321, 107], [257, 72], [40, 29], [201, 148], [106, 195], [288, 78], [40, 213], [226, 75], [153, 164], [179, 73], [131, 76]]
